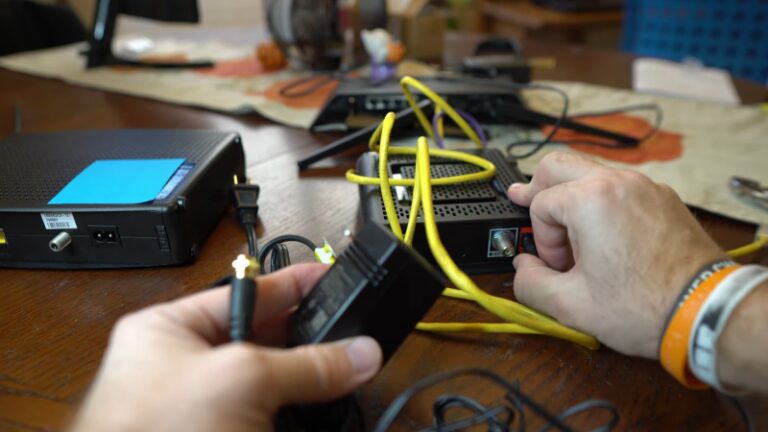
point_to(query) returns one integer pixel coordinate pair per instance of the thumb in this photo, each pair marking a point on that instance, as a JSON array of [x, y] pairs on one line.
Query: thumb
[[313, 373], [537, 285], [520, 194]]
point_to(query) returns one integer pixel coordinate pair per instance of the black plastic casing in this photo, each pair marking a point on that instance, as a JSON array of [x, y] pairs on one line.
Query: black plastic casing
[[467, 215], [378, 287], [168, 231]]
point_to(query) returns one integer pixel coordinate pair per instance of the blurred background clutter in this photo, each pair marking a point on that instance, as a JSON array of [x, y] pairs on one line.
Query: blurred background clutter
[[727, 35], [333, 65]]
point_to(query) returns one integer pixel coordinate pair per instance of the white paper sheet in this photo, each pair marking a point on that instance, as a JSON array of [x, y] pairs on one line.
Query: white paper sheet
[[689, 81]]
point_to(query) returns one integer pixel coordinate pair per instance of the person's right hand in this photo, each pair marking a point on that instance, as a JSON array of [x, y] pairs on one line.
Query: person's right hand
[[615, 250]]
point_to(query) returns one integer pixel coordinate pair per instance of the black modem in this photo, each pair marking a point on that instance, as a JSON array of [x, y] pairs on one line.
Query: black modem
[[166, 230]]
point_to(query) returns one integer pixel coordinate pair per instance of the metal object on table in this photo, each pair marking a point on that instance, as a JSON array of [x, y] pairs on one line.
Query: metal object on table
[[750, 190], [307, 30]]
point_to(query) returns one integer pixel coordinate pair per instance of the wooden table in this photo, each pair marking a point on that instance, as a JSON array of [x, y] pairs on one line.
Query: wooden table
[[54, 324]]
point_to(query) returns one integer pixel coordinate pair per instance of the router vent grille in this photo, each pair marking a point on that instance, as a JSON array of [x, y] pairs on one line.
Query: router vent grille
[[455, 202], [498, 209], [460, 192]]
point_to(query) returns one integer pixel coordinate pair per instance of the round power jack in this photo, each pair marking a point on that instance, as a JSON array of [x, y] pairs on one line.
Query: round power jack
[[60, 242]]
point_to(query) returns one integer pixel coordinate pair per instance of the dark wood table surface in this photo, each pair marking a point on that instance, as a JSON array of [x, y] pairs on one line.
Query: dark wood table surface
[[54, 325]]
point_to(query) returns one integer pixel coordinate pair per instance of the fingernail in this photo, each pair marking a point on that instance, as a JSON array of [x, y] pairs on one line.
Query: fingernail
[[516, 185], [365, 355], [514, 262]]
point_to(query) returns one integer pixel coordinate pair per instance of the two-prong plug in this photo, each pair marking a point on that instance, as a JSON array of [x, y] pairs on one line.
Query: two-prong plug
[[245, 198]]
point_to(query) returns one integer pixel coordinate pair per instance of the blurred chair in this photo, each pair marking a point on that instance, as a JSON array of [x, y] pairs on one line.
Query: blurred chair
[[727, 34], [27, 25]]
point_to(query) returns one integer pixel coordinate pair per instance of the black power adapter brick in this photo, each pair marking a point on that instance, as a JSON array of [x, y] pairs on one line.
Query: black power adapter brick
[[378, 287]]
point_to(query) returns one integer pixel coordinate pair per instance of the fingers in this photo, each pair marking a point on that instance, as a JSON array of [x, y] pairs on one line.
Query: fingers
[[549, 211], [537, 285], [286, 288], [206, 314], [311, 373], [560, 295], [556, 168]]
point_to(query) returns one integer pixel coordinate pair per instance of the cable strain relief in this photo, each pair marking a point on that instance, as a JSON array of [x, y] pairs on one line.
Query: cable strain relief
[[248, 216]]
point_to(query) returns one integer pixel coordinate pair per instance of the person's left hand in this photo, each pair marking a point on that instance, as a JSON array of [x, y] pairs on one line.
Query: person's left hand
[[168, 367]]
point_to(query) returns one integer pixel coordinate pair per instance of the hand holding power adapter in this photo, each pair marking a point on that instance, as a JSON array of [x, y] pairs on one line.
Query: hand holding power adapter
[[615, 251], [168, 367]]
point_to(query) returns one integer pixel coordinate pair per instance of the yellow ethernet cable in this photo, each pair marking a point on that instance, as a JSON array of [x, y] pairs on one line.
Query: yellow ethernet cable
[[519, 318], [759, 243], [506, 309], [407, 82]]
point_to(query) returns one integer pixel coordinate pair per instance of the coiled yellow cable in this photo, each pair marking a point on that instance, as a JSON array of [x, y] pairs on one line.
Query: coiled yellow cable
[[407, 82], [519, 318]]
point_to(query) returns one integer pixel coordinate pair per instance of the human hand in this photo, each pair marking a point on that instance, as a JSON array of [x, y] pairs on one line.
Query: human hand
[[615, 250], [168, 367]]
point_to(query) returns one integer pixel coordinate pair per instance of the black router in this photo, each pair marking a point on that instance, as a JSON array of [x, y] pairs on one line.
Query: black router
[[167, 230], [478, 225]]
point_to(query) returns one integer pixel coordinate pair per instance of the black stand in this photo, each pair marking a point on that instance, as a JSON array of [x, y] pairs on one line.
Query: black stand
[[99, 51], [356, 138], [518, 113]]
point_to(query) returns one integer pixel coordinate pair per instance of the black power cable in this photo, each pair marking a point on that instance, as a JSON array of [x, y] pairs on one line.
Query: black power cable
[[250, 232], [516, 402], [245, 198], [269, 246], [561, 119], [539, 144], [280, 257]]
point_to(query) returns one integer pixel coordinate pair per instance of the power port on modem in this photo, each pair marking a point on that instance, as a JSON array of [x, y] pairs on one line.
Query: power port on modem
[[104, 235]]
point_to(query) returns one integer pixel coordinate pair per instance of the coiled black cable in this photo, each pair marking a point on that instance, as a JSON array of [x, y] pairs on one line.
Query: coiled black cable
[[513, 409]]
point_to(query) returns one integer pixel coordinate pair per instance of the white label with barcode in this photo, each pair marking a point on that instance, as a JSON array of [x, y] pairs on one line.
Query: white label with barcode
[[57, 221]]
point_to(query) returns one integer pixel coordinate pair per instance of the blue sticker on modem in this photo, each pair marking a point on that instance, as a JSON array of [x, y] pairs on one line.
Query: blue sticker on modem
[[118, 181]]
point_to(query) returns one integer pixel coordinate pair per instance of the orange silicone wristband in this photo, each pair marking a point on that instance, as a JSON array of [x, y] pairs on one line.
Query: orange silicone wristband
[[674, 343]]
